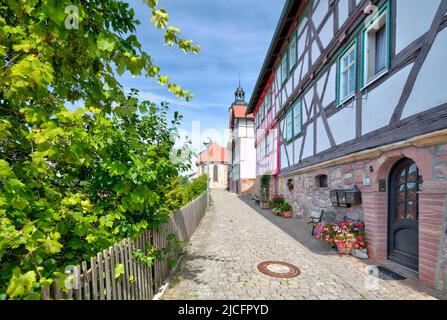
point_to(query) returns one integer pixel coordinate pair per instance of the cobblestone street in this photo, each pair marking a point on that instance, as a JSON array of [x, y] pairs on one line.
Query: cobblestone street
[[235, 236]]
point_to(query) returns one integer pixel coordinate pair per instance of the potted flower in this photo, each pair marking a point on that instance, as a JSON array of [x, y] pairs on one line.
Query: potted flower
[[276, 211], [360, 250], [344, 237], [276, 201], [286, 210]]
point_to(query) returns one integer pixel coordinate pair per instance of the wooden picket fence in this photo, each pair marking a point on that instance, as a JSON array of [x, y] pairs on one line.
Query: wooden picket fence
[[95, 280]]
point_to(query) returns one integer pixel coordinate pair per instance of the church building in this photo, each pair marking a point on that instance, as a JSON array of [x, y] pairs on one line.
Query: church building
[[241, 147]]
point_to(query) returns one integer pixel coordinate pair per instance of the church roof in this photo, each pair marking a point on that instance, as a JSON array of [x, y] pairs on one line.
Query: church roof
[[238, 111], [215, 153]]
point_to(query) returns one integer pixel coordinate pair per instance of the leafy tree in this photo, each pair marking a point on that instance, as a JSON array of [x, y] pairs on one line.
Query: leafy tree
[[75, 182]]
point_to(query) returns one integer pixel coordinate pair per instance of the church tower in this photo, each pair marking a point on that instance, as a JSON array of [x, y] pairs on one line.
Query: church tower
[[241, 146]]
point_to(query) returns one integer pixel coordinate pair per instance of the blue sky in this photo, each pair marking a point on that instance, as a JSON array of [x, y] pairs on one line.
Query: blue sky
[[234, 36]]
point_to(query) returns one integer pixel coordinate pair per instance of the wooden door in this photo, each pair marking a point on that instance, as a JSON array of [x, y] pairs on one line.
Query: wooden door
[[403, 224]]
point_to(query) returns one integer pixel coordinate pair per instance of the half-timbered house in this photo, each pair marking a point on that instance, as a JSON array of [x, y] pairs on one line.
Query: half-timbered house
[[358, 91]]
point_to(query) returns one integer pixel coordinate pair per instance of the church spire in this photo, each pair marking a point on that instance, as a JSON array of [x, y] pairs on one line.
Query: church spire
[[239, 95]]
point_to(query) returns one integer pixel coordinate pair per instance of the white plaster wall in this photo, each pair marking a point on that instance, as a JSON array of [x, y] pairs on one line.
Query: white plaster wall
[[316, 53], [320, 11], [305, 67], [297, 149], [309, 143], [343, 12], [283, 157], [248, 151], [302, 26], [342, 125], [327, 32], [430, 88], [302, 41], [413, 19], [290, 153], [329, 95], [248, 169], [378, 105], [289, 87], [322, 138]]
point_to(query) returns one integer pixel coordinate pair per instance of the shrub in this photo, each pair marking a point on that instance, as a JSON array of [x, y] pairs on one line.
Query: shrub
[[277, 201]]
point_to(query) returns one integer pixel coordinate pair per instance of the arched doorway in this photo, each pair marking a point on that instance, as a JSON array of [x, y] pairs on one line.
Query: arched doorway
[[403, 214]]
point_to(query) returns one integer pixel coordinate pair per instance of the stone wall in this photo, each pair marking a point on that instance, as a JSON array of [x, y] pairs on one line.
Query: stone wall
[[308, 199], [222, 180]]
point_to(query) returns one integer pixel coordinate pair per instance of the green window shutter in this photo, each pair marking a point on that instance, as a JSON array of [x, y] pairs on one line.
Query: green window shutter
[[347, 72], [292, 51], [297, 118], [285, 67], [289, 124]]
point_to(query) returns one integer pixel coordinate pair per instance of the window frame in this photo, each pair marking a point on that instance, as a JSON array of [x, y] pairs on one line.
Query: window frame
[[351, 47], [286, 120], [294, 38], [384, 9], [297, 105], [319, 181], [285, 60]]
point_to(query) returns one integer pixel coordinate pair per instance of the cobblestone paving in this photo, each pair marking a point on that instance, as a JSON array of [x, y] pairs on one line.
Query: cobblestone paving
[[235, 236]]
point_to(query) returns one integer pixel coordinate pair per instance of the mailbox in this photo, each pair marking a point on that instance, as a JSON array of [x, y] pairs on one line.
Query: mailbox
[[334, 198], [341, 194], [346, 198], [353, 196]]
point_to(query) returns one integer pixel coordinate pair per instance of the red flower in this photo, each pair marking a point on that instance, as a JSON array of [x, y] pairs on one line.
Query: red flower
[[362, 244], [356, 246]]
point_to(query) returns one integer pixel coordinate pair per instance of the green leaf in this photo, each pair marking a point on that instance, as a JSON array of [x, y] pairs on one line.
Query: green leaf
[[5, 170], [119, 270], [105, 43], [20, 284]]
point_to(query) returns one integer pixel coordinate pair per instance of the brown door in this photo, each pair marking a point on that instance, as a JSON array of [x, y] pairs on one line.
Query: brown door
[[403, 225]]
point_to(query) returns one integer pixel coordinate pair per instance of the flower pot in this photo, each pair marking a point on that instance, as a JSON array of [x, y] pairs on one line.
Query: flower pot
[[265, 205], [344, 248], [287, 214]]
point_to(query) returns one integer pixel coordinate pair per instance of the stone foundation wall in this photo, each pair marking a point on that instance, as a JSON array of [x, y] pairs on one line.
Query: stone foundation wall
[[307, 198]]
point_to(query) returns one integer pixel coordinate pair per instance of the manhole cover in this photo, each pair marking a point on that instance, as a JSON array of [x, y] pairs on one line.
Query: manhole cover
[[278, 269]]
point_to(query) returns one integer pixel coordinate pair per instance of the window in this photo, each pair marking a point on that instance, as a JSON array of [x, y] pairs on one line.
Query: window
[[292, 52], [347, 73], [284, 67], [289, 125], [278, 77], [215, 173], [376, 46], [267, 146], [297, 119], [262, 149], [321, 181], [269, 99], [263, 111], [270, 142]]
